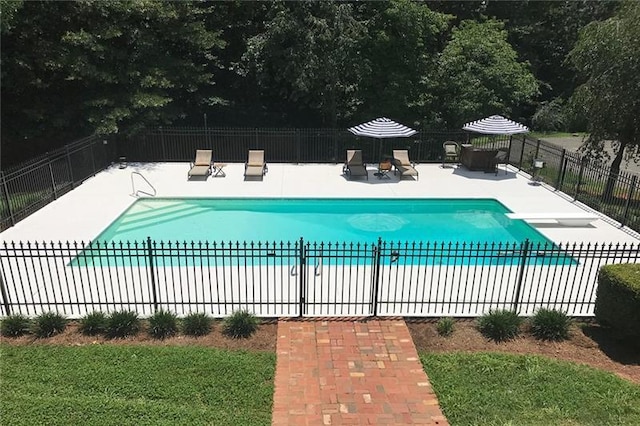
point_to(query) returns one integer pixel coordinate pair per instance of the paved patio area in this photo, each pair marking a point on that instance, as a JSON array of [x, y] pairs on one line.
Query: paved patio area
[[84, 212], [342, 372]]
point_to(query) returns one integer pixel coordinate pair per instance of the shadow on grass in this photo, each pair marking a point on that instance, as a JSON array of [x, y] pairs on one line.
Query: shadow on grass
[[621, 349]]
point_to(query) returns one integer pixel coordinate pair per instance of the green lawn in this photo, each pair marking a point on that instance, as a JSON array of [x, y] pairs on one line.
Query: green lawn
[[542, 135], [498, 389], [129, 385]]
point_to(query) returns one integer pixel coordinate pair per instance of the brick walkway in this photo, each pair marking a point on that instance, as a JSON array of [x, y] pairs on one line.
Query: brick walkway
[[340, 372]]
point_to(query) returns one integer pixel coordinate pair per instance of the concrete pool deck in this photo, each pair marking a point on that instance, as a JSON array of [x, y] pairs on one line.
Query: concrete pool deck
[[83, 213]]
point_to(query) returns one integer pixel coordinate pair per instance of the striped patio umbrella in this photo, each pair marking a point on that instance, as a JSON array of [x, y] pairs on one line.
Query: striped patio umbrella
[[495, 125], [382, 128]]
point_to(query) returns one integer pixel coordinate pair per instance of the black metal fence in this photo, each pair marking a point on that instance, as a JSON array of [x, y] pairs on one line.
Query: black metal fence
[[31, 185], [303, 279], [283, 145], [581, 179]]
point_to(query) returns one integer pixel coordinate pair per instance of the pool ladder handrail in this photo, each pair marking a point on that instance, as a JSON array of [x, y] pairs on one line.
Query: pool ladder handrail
[[139, 191], [317, 269]]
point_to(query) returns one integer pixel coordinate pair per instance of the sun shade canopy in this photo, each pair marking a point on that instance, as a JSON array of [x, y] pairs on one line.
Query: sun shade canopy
[[496, 125], [382, 128]]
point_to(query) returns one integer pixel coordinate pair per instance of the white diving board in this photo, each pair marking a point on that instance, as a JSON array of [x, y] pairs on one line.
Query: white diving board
[[567, 219]]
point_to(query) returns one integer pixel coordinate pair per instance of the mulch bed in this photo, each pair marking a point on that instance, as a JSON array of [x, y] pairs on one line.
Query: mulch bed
[[588, 344]]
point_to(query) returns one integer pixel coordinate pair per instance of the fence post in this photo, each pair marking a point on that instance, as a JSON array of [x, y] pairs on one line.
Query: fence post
[[298, 147], [73, 182], [53, 181], [376, 276], [579, 182], [93, 159], [627, 203], [5, 297], [152, 273], [524, 144], [164, 151], [561, 169], [5, 194], [303, 274], [523, 264]]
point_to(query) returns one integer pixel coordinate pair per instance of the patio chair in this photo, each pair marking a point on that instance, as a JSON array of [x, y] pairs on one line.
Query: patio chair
[[451, 152], [255, 165], [201, 166], [354, 165], [502, 157], [402, 164]]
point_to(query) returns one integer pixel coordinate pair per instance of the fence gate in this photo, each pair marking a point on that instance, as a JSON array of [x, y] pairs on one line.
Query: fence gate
[[338, 279]]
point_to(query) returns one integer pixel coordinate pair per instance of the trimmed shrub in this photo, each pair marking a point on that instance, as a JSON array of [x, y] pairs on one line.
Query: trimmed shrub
[[163, 324], [500, 325], [196, 324], [240, 324], [618, 298], [549, 324], [15, 325], [93, 324], [123, 324], [49, 324], [445, 326]]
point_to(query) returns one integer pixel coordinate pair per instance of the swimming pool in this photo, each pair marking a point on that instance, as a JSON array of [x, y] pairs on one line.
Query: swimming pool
[[358, 220], [261, 220]]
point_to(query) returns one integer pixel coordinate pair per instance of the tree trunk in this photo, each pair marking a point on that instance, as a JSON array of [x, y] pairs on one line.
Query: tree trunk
[[614, 171]]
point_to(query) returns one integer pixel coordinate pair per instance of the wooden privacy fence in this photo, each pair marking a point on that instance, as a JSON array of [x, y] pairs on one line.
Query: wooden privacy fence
[[302, 278]]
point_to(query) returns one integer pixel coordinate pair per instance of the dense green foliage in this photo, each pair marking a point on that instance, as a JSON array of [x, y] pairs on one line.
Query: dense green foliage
[[500, 325], [73, 68], [240, 324], [134, 385], [48, 324], [445, 326], [196, 324], [480, 74], [15, 325], [618, 298], [163, 324], [500, 389], [549, 324], [123, 324], [93, 324], [607, 58]]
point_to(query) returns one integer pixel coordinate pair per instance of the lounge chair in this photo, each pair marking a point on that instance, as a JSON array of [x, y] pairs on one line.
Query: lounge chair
[[502, 157], [255, 165], [451, 152], [402, 164], [354, 166], [201, 166]]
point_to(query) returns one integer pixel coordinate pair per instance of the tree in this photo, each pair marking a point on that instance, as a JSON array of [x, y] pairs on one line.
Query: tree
[[480, 74], [105, 67], [399, 57], [307, 58], [607, 58]]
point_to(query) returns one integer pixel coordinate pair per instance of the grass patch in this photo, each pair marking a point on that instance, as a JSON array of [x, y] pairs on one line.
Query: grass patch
[[500, 389], [126, 385], [542, 135]]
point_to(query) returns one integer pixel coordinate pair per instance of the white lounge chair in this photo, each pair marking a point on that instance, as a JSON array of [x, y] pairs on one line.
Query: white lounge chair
[[201, 166], [255, 165], [402, 163]]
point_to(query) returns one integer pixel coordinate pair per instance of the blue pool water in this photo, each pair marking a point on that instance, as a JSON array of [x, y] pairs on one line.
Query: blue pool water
[[328, 220]]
